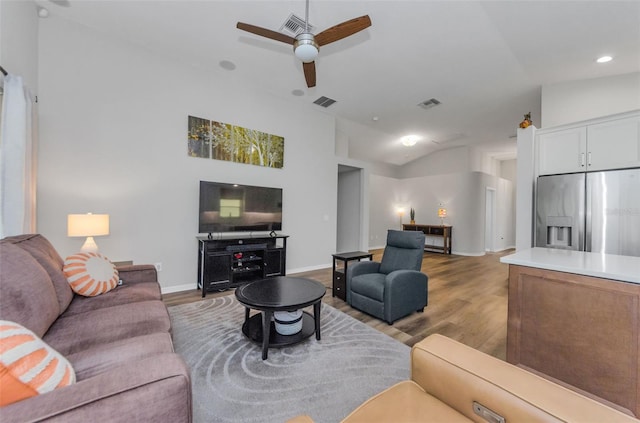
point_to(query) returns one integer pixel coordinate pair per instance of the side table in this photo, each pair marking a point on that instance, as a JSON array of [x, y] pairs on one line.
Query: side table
[[340, 274]]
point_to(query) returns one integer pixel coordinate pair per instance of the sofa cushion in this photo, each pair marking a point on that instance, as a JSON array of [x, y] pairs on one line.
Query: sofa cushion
[[72, 334], [102, 358], [45, 254], [155, 389], [90, 274], [135, 273], [28, 366], [404, 402], [370, 285], [27, 295], [124, 294], [404, 250]]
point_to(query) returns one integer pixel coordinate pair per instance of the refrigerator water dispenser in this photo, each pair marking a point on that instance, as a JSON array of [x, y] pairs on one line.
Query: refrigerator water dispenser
[[559, 230]]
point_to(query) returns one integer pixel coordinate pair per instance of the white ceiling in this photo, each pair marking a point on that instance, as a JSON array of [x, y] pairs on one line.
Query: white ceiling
[[484, 60]]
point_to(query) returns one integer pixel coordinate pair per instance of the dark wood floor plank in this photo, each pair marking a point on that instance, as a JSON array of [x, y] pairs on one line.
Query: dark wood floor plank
[[467, 302]]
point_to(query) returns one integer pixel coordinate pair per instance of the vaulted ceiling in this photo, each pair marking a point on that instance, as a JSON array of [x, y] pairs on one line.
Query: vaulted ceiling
[[484, 61]]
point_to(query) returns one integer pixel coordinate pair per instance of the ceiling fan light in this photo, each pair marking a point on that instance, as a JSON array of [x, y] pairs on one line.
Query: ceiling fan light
[[305, 48]]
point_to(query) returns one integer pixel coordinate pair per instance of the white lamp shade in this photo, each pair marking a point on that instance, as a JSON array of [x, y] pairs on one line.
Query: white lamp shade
[[305, 47], [306, 52], [87, 224]]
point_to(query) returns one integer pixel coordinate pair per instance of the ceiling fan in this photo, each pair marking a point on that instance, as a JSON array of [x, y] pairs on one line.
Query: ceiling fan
[[306, 45]]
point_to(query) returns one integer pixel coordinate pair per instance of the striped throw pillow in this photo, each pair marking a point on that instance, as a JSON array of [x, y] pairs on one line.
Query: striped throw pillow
[[28, 366], [90, 274]]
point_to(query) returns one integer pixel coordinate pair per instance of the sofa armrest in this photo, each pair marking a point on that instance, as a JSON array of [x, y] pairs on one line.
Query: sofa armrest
[[458, 375], [362, 268], [138, 273], [407, 282], [155, 389]]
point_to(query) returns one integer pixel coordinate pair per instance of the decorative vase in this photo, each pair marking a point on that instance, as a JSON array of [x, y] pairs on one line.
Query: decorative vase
[[526, 122], [413, 222]]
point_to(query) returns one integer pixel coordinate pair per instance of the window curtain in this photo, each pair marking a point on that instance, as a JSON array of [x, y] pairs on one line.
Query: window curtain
[[17, 159]]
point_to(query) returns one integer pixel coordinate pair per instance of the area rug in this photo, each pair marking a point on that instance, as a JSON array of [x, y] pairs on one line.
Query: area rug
[[325, 379]]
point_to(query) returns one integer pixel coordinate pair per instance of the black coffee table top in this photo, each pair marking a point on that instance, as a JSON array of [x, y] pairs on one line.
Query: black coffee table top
[[280, 293]]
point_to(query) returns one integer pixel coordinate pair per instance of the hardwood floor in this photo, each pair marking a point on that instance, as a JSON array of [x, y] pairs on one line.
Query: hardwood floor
[[467, 302]]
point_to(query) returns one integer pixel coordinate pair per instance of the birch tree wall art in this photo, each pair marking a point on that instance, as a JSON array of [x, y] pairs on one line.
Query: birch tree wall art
[[223, 141]]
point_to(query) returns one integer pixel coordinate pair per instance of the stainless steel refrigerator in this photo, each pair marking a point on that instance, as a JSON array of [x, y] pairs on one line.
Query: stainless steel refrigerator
[[595, 211]]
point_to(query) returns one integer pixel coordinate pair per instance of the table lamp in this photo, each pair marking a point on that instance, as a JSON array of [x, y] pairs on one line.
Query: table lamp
[[400, 211], [88, 225], [442, 213]]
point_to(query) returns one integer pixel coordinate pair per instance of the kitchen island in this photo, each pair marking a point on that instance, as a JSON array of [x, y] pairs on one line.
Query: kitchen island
[[574, 317]]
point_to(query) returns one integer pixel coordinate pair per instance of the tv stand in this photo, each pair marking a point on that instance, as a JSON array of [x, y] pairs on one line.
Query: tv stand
[[230, 261]]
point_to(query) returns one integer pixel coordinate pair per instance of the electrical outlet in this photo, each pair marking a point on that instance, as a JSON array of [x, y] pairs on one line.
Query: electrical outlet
[[158, 267]]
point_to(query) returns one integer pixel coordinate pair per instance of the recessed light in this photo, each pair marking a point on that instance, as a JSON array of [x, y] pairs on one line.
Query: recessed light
[[297, 93], [409, 140], [604, 59], [227, 64]]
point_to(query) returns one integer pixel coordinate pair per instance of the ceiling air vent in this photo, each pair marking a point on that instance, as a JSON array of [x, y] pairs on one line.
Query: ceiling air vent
[[324, 101], [427, 104], [294, 25]]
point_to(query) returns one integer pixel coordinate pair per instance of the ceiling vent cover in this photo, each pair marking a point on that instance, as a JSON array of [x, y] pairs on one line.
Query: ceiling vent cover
[[324, 101], [427, 104], [294, 25]]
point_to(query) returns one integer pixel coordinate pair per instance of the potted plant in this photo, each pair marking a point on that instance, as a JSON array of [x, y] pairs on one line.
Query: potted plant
[[412, 215]]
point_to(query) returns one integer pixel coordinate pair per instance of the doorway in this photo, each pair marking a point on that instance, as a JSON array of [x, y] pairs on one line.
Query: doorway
[[490, 220], [349, 213]]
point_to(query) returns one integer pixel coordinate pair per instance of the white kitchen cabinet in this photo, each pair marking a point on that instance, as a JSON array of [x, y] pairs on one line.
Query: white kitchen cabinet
[[601, 145], [562, 151], [614, 145]]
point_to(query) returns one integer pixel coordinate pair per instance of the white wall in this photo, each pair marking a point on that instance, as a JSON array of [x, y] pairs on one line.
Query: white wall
[[450, 160], [384, 200], [482, 162], [525, 182], [574, 101], [462, 194], [113, 123], [456, 178], [19, 40], [509, 169]]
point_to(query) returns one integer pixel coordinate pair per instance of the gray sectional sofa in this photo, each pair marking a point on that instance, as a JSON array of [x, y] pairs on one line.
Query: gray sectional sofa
[[119, 343]]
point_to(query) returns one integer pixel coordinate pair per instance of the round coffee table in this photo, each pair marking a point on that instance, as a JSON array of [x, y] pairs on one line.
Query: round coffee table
[[280, 293]]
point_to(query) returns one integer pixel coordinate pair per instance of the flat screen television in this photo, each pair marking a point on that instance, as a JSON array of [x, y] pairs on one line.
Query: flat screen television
[[239, 208]]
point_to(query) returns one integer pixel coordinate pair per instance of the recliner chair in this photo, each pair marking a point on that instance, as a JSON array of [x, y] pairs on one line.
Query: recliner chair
[[395, 287]]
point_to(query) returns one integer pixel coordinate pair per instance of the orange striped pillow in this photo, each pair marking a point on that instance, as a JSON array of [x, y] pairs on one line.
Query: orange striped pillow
[[28, 366], [90, 274]]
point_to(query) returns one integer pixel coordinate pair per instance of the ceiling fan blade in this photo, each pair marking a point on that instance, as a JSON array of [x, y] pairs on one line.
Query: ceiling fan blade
[[343, 30], [263, 32], [310, 73]]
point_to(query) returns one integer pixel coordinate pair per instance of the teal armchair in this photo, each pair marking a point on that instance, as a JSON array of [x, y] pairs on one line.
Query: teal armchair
[[395, 287]]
